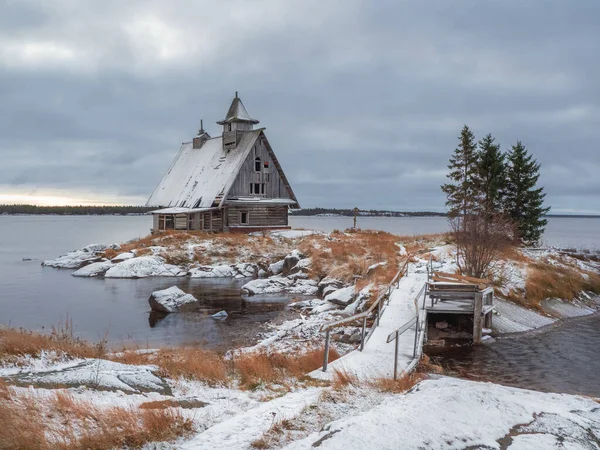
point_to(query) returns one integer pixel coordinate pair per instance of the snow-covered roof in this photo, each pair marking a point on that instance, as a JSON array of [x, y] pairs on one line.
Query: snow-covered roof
[[177, 210], [270, 201], [237, 113], [198, 176]]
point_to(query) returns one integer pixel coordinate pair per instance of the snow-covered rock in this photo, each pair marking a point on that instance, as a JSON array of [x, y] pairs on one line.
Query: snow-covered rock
[[140, 267], [270, 285], [375, 266], [94, 269], [291, 260], [361, 299], [76, 258], [276, 268], [170, 300], [342, 297], [242, 270], [302, 266], [122, 257], [327, 285], [274, 285], [221, 315], [323, 307]]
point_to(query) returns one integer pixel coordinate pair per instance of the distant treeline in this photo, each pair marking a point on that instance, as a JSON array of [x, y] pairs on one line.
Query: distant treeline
[[369, 212], [74, 210]]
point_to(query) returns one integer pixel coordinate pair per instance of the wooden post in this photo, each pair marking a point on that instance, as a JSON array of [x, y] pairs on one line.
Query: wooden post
[[355, 213], [396, 356], [488, 320], [362, 338], [326, 354], [211, 228], [379, 311], [477, 318]]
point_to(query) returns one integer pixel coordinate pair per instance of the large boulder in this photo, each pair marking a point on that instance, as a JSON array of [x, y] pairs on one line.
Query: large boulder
[[93, 270], [276, 268], [170, 300], [290, 261], [141, 267], [327, 285], [342, 297]]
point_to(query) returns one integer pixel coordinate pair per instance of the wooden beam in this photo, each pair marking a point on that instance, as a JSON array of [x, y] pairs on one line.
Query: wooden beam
[[463, 277]]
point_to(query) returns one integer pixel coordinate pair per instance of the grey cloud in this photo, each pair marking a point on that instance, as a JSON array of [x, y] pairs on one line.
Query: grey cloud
[[363, 101]]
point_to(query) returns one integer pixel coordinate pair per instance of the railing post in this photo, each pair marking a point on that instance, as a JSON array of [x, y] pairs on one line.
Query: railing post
[[326, 354], [379, 311], [362, 338], [416, 338], [396, 357]]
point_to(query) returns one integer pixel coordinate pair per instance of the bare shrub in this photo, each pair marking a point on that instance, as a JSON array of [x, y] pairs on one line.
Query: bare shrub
[[480, 242]]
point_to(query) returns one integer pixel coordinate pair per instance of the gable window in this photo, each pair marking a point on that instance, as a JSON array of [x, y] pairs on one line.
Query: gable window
[[228, 127], [257, 164], [244, 218]]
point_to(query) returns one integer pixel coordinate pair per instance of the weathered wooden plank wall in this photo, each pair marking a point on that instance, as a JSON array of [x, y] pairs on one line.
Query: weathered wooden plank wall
[[274, 185]]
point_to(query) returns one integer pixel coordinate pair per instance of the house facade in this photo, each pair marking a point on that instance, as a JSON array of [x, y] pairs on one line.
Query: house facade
[[232, 182]]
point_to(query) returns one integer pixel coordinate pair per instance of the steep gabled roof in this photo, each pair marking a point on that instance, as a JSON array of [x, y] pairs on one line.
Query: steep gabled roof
[[198, 176], [237, 113]]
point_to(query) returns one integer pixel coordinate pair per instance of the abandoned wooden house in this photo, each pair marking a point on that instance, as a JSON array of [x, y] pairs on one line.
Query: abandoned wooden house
[[232, 182]]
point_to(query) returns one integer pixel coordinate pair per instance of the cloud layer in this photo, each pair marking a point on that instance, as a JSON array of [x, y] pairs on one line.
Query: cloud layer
[[363, 101]]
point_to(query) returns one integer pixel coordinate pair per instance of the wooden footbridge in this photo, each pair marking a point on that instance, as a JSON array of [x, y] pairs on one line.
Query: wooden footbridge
[[394, 328]]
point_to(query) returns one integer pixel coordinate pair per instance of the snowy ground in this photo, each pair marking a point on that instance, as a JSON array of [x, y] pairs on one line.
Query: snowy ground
[[440, 413]]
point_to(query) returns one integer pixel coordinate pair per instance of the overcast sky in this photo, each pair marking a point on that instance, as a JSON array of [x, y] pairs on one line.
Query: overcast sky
[[362, 100]]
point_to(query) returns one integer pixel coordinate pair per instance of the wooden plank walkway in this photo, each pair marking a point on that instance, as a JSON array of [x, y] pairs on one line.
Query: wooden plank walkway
[[377, 358]]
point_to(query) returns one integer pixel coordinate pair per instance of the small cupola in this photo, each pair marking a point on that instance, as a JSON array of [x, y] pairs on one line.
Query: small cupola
[[202, 137], [237, 116]]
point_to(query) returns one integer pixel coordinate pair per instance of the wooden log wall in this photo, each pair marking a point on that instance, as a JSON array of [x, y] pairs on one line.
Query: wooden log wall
[[258, 216]]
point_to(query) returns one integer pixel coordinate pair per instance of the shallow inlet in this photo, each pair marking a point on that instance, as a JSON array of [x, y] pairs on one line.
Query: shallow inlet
[[560, 358]]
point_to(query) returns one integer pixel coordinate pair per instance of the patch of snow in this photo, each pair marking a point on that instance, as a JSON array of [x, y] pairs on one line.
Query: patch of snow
[[122, 257], [561, 308], [170, 300], [511, 318], [469, 415], [76, 258], [293, 234]]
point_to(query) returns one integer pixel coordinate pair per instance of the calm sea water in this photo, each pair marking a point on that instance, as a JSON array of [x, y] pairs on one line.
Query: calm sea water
[[37, 297]]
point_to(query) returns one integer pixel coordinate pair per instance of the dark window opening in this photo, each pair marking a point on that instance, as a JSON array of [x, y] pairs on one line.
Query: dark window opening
[[262, 188], [257, 164], [228, 127], [257, 188], [244, 218], [266, 164]]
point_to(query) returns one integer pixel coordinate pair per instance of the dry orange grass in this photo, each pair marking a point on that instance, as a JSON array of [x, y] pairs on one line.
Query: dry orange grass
[[20, 342], [549, 281], [254, 369], [62, 422], [189, 363], [402, 384], [343, 378], [425, 365]]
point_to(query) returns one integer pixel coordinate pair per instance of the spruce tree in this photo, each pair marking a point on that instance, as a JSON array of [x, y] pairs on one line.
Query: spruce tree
[[523, 202], [490, 177], [460, 192]]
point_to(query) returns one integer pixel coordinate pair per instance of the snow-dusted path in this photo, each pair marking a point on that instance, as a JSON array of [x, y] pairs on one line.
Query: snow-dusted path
[[377, 358], [242, 429]]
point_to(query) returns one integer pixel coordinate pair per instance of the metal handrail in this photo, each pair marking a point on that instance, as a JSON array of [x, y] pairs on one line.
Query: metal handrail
[[364, 315], [394, 335]]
